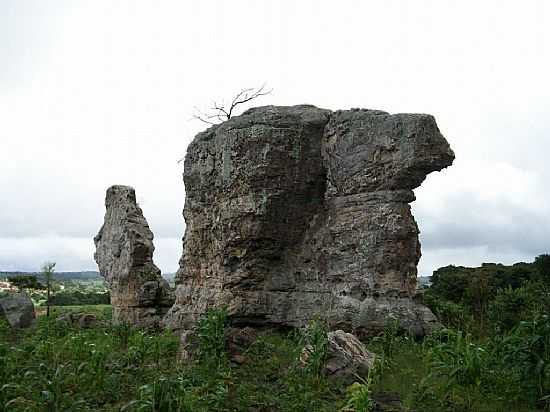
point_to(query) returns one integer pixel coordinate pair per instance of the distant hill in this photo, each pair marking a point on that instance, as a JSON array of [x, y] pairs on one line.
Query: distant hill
[[82, 275]]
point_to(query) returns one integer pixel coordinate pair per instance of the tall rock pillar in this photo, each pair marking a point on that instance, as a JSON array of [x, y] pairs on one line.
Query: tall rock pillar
[[124, 255]]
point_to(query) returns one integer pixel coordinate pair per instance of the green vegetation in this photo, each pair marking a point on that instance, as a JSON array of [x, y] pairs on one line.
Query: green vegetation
[[25, 282], [76, 297], [66, 291], [493, 354], [110, 368]]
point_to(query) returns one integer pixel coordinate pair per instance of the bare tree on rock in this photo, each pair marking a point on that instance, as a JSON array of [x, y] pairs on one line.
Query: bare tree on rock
[[221, 111]]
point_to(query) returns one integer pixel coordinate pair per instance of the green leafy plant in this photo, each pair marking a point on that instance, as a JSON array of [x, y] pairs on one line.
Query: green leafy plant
[[458, 358], [359, 394], [314, 339], [210, 334]]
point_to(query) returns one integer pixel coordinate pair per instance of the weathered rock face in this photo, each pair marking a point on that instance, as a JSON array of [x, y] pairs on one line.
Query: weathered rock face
[[294, 212], [124, 254], [18, 310]]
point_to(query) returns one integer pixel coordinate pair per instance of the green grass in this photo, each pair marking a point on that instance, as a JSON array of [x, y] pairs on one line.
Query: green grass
[[102, 311], [410, 373], [56, 367]]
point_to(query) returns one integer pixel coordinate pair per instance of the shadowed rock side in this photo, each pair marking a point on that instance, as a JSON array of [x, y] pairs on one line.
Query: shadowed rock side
[[294, 212], [124, 254]]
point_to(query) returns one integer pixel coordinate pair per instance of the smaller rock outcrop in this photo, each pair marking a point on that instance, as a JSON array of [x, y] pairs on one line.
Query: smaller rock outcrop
[[346, 357], [124, 255], [18, 310]]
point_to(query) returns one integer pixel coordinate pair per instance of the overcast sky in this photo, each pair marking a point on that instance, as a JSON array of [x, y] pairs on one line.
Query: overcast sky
[[95, 93]]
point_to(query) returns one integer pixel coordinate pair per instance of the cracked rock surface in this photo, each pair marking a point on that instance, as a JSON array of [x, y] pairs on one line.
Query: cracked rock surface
[[124, 255], [296, 212]]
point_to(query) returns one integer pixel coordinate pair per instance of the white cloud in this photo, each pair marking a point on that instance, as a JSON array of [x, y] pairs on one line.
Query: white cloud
[[100, 93]]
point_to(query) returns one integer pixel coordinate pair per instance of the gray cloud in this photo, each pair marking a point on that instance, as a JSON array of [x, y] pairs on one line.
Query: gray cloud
[[100, 93]]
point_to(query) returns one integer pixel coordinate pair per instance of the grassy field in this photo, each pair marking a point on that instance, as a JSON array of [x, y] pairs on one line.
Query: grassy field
[[55, 367], [117, 368], [102, 311], [407, 373]]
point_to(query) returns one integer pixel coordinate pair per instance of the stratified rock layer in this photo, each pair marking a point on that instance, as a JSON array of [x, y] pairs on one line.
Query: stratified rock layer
[[295, 212], [124, 254]]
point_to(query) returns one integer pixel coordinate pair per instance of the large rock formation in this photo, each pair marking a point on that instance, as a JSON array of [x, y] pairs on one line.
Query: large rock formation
[[18, 310], [124, 254], [294, 212]]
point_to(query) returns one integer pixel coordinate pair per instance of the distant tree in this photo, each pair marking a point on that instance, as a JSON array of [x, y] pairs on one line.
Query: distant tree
[[26, 282], [542, 263], [221, 111], [478, 293], [451, 282], [65, 298], [47, 271]]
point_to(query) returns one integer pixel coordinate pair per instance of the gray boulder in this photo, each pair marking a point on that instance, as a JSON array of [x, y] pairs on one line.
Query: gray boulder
[[18, 310]]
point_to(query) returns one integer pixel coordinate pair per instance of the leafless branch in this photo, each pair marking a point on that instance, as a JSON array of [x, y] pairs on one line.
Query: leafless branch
[[220, 112]]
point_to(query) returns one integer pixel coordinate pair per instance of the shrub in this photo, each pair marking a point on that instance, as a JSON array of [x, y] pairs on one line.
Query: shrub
[[359, 394], [510, 306], [526, 350], [456, 357]]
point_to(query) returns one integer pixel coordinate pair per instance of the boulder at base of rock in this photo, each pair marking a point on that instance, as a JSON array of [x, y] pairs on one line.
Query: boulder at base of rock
[[346, 357], [18, 310]]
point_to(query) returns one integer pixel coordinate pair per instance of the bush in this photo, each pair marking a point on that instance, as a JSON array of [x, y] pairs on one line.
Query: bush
[[510, 306], [526, 351], [359, 396], [79, 298], [456, 357]]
